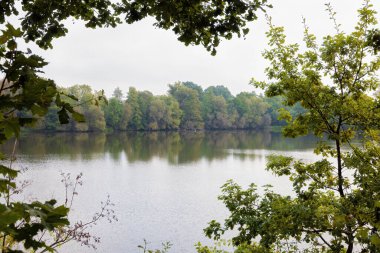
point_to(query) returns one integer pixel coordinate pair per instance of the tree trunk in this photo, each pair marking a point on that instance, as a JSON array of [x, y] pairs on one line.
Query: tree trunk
[[340, 175], [350, 248]]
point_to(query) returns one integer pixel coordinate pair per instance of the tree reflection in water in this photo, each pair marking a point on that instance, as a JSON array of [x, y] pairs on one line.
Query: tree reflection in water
[[175, 147]]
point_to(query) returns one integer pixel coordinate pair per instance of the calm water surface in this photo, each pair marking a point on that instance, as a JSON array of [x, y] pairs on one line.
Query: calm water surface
[[164, 185]]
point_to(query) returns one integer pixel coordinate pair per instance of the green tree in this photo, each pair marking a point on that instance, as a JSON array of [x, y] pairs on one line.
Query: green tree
[[135, 122], [95, 119], [145, 99], [164, 113], [251, 111], [215, 111], [190, 105], [116, 112], [50, 121], [220, 90], [336, 201], [174, 113], [113, 113], [82, 98], [157, 112], [275, 107], [194, 86]]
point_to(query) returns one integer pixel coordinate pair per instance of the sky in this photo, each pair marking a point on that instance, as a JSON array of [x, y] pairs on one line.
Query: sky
[[149, 58]]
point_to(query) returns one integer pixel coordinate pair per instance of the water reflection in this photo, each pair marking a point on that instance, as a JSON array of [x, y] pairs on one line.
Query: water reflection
[[175, 147], [164, 184]]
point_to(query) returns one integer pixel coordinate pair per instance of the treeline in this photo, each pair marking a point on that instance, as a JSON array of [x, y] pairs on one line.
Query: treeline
[[186, 107]]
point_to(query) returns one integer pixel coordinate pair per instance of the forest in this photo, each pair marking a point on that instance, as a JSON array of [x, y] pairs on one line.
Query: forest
[[186, 107]]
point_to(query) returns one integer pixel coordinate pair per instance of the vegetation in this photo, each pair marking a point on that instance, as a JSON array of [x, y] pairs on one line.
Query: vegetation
[[187, 106], [336, 201], [336, 204], [25, 97]]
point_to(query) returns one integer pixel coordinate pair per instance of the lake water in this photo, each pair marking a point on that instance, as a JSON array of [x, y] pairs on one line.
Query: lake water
[[164, 185]]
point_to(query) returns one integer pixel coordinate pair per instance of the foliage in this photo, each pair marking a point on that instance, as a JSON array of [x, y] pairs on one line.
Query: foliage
[[276, 107], [165, 248], [25, 97], [251, 111], [221, 246], [335, 206], [190, 104], [214, 108], [164, 113], [202, 22], [135, 122], [114, 112], [220, 90], [215, 112], [144, 101]]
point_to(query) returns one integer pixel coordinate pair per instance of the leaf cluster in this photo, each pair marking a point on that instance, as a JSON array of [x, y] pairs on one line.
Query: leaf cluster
[[202, 22]]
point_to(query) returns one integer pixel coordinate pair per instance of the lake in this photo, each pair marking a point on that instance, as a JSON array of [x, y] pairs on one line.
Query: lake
[[164, 184]]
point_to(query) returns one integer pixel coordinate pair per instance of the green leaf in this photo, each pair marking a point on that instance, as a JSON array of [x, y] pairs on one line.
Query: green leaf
[[8, 216], [362, 233], [284, 115], [375, 240], [71, 96], [3, 39], [78, 117], [11, 127], [12, 45], [5, 171], [39, 110]]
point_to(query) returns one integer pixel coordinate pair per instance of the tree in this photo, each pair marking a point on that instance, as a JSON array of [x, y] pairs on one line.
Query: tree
[[190, 105], [118, 94], [23, 90], [144, 99], [251, 111], [215, 111], [220, 90], [115, 112], [95, 119], [136, 116], [157, 112], [174, 113], [336, 204], [82, 98], [195, 87], [276, 106], [164, 113]]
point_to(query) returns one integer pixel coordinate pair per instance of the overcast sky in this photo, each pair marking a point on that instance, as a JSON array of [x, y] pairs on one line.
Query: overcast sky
[[149, 58]]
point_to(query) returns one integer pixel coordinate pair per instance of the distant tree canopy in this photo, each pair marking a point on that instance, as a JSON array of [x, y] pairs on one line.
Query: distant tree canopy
[[187, 106]]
